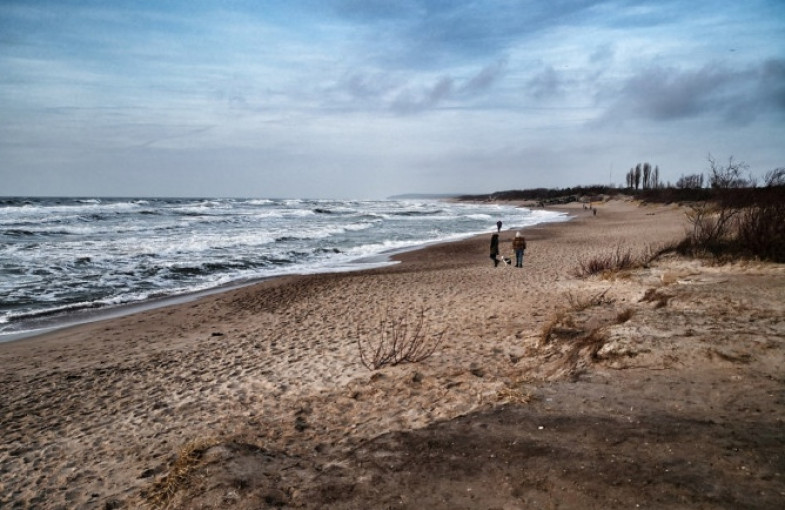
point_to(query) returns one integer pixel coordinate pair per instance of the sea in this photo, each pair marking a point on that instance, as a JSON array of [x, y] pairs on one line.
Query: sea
[[67, 260]]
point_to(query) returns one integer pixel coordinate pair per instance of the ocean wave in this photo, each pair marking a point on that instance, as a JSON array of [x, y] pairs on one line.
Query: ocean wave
[[17, 232], [105, 252]]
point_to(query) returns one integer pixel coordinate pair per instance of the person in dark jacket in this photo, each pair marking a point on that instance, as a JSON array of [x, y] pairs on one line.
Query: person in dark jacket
[[495, 249]]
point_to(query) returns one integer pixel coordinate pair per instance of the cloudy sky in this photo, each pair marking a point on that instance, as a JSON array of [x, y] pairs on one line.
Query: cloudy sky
[[369, 98]]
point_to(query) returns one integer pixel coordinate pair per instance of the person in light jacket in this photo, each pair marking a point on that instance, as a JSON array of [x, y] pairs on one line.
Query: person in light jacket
[[519, 246]]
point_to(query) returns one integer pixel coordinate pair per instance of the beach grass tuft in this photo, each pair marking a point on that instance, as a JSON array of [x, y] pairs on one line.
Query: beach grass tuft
[[188, 459]]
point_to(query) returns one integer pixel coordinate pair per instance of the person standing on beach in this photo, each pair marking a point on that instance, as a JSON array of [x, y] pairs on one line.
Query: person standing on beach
[[499, 226], [519, 246], [495, 249]]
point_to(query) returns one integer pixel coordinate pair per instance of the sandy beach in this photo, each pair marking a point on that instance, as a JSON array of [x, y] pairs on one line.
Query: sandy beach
[[657, 387]]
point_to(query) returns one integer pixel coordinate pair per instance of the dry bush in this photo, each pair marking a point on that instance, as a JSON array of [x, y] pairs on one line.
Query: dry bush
[[561, 323], [513, 396], [398, 340], [579, 304], [761, 230], [712, 223], [622, 259], [659, 299], [593, 342], [654, 251], [613, 262], [550, 326], [189, 458], [624, 315], [746, 223]]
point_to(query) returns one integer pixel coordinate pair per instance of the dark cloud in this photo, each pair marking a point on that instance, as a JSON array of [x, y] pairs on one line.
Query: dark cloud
[[546, 84], [413, 100], [736, 95], [484, 79], [367, 85], [380, 90], [772, 83]]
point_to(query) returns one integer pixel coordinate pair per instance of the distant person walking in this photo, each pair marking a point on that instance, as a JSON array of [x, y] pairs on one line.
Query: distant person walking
[[519, 246], [495, 249], [499, 226]]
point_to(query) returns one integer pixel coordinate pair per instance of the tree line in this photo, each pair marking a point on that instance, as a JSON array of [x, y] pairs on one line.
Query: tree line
[[643, 180], [643, 176], [720, 176]]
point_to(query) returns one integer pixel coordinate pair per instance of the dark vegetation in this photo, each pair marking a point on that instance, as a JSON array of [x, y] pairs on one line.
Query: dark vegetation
[[619, 260], [738, 223], [733, 217], [398, 340]]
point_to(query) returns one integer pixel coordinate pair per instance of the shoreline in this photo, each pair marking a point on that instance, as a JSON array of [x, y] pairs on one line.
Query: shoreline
[[56, 321], [264, 386]]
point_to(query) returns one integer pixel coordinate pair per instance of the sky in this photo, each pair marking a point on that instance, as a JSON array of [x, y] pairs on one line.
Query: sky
[[372, 98]]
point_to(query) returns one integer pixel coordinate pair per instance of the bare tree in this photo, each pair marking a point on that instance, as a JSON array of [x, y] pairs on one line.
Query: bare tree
[[690, 181], [775, 177], [646, 176], [727, 176], [637, 176]]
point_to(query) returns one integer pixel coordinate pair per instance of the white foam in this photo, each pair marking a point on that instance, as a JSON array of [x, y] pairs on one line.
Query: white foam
[[128, 251]]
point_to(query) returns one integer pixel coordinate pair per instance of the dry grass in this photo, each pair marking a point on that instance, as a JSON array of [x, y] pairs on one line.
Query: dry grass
[[659, 299], [581, 303], [732, 358], [513, 396], [608, 263], [189, 458], [562, 323], [549, 327], [592, 342]]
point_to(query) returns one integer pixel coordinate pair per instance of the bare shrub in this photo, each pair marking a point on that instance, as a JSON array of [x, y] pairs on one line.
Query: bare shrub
[[612, 262], [654, 251], [761, 230], [740, 223], [398, 340], [712, 224]]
